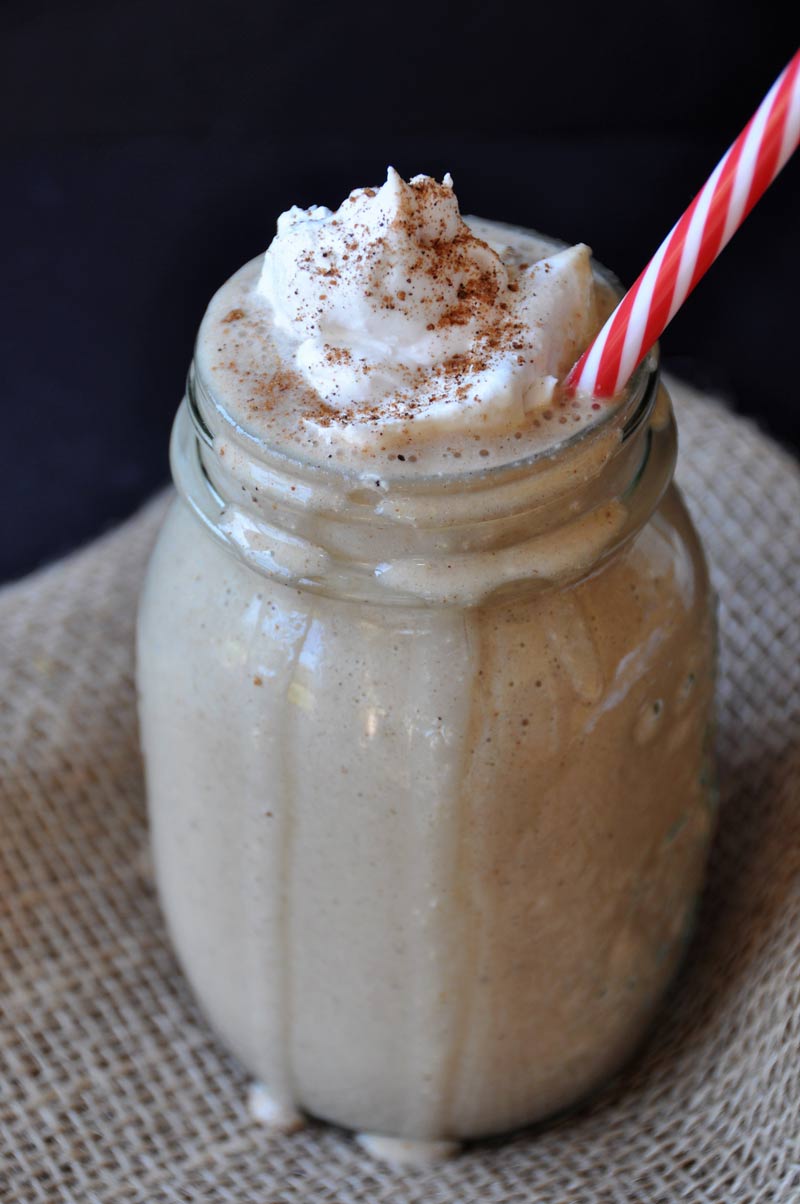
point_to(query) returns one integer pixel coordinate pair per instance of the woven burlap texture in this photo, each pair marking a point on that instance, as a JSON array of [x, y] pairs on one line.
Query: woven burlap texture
[[115, 1090]]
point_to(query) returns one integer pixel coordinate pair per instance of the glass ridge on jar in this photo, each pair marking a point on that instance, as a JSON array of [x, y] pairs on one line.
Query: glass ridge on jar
[[428, 765]]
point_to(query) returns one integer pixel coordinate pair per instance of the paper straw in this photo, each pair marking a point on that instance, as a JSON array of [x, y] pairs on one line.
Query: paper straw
[[742, 175]]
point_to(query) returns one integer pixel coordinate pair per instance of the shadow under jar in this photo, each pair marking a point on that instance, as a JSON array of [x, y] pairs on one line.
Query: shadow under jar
[[428, 764]]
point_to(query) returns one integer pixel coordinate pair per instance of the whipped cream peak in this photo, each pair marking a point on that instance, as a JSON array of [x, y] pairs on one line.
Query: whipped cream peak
[[394, 308], [386, 267]]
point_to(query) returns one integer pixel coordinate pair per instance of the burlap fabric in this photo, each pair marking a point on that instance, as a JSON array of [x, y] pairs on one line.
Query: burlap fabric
[[115, 1090]]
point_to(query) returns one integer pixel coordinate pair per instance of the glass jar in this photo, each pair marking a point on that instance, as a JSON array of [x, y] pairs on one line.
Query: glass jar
[[428, 766]]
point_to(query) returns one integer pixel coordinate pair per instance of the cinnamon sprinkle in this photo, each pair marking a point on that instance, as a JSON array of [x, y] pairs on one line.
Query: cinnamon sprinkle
[[457, 272]]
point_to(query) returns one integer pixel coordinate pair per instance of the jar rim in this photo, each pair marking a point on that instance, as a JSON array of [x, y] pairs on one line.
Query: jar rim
[[629, 415], [626, 415]]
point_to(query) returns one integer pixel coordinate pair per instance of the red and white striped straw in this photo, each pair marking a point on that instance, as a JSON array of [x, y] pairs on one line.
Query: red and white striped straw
[[744, 172]]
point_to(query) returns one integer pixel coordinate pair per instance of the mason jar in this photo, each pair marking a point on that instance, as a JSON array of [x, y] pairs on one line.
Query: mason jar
[[428, 765]]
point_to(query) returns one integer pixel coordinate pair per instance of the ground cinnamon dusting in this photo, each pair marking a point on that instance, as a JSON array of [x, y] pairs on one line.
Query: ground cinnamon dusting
[[458, 273], [442, 259]]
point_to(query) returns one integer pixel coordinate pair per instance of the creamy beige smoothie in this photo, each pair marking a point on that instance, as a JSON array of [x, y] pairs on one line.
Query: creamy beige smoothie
[[425, 669]]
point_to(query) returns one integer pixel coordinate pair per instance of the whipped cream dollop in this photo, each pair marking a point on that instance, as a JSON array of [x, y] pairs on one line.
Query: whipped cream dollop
[[395, 310]]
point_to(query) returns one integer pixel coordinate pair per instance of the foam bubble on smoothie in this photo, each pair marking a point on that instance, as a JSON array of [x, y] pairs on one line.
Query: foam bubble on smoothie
[[397, 310]]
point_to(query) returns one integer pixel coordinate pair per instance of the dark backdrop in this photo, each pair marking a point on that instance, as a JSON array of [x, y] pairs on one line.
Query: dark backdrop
[[148, 147]]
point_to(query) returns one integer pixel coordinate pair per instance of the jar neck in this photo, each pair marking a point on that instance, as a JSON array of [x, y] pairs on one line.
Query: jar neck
[[461, 539]]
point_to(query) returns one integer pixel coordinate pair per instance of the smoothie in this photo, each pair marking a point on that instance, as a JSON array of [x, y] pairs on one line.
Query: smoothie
[[425, 669]]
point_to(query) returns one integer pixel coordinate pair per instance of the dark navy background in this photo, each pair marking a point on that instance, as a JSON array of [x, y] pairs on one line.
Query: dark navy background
[[147, 147]]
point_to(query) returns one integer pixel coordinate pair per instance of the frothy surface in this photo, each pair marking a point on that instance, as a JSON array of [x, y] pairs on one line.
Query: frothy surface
[[394, 330]]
